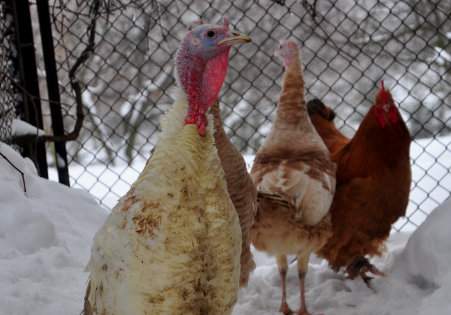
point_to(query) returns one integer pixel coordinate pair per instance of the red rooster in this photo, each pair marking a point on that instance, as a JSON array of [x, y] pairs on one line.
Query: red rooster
[[373, 183]]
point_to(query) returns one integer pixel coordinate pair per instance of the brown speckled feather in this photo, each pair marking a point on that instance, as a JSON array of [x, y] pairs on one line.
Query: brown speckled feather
[[295, 180], [293, 159], [241, 190], [287, 234]]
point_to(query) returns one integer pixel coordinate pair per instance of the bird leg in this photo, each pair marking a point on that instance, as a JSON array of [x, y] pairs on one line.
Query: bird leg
[[282, 263], [302, 271], [361, 266]]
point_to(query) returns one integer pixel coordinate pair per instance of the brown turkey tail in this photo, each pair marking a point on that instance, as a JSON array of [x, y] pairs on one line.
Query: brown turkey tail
[[315, 106]]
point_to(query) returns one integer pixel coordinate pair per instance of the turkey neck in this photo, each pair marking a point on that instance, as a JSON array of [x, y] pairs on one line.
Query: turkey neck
[[231, 159], [223, 144], [291, 110], [220, 136]]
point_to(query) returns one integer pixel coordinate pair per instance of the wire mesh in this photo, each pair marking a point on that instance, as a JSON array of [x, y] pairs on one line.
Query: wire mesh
[[8, 93], [347, 48]]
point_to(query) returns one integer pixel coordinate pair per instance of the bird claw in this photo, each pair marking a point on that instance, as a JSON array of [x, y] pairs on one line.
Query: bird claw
[[361, 267], [285, 309]]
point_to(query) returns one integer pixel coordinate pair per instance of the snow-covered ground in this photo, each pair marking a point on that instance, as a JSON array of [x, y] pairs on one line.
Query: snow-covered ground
[[45, 239], [46, 233], [418, 280]]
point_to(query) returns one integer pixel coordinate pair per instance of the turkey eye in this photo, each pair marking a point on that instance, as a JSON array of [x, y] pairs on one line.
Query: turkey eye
[[211, 34]]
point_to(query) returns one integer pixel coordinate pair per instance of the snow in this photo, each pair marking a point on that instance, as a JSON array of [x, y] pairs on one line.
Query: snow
[[418, 279], [442, 56], [45, 237], [46, 234], [22, 128], [427, 256]]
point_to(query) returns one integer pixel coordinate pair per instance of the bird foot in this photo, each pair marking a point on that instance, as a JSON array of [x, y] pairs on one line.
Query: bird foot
[[361, 267], [285, 309]]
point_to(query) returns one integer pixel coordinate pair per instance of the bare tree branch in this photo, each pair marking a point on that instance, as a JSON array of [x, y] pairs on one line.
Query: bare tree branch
[[17, 169], [75, 84]]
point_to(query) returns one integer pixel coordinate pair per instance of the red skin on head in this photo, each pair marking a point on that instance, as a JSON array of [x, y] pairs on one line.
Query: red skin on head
[[385, 110], [202, 83], [201, 79]]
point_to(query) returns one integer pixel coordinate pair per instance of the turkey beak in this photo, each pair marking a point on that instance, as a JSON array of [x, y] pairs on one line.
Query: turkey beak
[[235, 38]]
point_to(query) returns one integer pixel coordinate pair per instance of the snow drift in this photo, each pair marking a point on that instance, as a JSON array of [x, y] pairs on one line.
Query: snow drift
[[45, 240], [418, 280], [46, 235], [426, 262]]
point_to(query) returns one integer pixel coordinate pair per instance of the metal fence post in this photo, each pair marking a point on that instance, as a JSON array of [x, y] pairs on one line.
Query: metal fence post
[[53, 90], [29, 80]]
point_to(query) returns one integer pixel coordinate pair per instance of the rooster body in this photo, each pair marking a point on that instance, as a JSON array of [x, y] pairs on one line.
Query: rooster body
[[295, 179], [373, 183], [172, 244]]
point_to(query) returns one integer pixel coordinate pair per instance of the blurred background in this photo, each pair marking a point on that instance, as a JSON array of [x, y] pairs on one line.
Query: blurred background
[[114, 60]]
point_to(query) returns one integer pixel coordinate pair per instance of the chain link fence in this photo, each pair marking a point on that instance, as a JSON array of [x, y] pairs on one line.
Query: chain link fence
[[8, 93], [347, 48]]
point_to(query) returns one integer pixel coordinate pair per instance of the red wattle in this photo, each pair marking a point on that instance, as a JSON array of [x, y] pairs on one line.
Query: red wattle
[[202, 124], [213, 78], [201, 80], [190, 120]]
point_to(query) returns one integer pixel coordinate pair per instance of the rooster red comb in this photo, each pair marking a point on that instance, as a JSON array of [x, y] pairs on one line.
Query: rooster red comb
[[384, 96]]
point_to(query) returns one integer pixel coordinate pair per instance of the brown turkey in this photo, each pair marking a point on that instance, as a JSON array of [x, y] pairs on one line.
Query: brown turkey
[[295, 180], [241, 190]]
